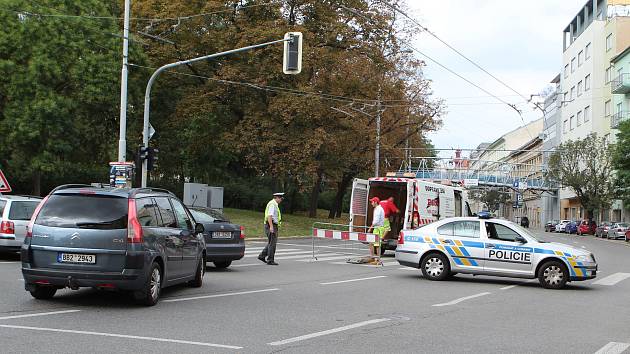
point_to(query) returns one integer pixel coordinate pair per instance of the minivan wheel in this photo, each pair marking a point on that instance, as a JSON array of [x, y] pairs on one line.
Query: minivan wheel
[[435, 266], [553, 275], [222, 264], [201, 271], [43, 292], [150, 294]]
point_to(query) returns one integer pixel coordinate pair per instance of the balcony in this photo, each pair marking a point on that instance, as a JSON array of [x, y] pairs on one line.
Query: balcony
[[621, 84], [618, 117]]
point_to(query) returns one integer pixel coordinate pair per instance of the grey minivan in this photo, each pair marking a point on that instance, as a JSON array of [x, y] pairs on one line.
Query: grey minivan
[[137, 240]]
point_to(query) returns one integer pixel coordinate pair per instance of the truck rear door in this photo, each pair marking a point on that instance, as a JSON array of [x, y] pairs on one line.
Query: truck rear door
[[359, 205]]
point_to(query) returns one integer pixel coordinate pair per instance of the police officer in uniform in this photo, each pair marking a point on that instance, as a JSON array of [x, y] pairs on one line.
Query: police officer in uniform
[[273, 219]]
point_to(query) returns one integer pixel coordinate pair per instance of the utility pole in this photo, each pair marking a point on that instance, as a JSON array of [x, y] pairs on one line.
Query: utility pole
[[122, 142], [377, 152]]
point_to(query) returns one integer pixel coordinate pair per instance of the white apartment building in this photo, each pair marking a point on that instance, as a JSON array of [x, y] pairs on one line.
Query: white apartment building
[[597, 34]]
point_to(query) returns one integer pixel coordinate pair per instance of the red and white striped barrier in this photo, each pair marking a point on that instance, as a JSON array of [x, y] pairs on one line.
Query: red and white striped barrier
[[344, 235]]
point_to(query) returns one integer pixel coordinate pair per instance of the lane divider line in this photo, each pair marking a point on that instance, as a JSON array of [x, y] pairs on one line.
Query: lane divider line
[[126, 336], [457, 301], [613, 348], [38, 314], [330, 331], [220, 295], [353, 280]]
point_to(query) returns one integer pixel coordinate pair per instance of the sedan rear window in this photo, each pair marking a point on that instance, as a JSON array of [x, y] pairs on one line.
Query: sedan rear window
[[84, 211], [22, 210]]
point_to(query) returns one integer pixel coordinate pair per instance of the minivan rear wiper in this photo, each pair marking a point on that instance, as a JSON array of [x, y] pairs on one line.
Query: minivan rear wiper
[[96, 224], [219, 220]]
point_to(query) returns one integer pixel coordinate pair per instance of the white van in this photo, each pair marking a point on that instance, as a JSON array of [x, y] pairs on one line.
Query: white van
[[420, 202]]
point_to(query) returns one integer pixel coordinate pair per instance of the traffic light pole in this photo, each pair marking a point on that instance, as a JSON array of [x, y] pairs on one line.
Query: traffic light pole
[[147, 94]]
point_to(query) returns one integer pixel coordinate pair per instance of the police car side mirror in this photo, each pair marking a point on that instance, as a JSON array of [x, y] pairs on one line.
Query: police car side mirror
[[520, 239], [199, 228]]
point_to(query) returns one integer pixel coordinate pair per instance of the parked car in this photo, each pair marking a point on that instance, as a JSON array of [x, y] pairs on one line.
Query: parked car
[[618, 230], [550, 226], [15, 213], [571, 227], [628, 235], [525, 221], [602, 229], [225, 242], [561, 225], [138, 240], [586, 227]]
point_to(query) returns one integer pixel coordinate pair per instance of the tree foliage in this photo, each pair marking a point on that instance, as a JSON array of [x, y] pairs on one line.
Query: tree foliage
[[585, 166], [621, 163], [491, 198]]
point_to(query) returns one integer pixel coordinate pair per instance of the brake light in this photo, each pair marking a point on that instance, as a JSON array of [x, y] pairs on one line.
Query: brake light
[[7, 227], [242, 232], [401, 238], [29, 228], [134, 229]]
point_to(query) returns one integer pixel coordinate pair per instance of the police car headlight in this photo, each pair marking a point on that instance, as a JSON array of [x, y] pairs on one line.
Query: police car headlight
[[583, 258]]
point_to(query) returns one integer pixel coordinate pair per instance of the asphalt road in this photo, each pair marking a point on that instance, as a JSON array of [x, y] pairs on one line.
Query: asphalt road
[[331, 306]]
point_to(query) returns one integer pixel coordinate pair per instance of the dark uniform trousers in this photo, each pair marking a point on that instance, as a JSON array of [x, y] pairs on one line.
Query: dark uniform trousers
[[272, 237]]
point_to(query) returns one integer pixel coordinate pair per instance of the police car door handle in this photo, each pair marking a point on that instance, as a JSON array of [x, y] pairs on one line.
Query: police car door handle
[[489, 245], [448, 241]]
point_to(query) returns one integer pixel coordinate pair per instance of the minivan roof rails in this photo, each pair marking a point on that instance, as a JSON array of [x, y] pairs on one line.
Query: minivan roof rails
[[152, 189], [67, 186]]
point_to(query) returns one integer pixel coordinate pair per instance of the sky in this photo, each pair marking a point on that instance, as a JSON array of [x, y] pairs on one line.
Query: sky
[[520, 42]]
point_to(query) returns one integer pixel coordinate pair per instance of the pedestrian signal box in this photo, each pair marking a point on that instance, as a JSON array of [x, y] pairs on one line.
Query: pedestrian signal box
[[292, 61]]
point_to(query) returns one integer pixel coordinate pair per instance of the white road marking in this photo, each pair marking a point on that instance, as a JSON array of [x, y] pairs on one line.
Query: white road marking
[[457, 301], [613, 348], [245, 265], [509, 287], [220, 295], [9, 262], [330, 331], [323, 258], [408, 268], [102, 334], [38, 314], [307, 257], [278, 254], [277, 250], [353, 280], [612, 279]]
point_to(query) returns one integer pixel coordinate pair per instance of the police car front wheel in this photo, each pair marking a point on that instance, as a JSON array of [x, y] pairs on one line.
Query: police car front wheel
[[553, 275], [435, 266]]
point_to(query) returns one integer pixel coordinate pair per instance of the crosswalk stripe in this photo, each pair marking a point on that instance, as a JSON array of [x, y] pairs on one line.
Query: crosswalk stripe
[[612, 279], [613, 348], [324, 258], [280, 253], [305, 257], [277, 250]]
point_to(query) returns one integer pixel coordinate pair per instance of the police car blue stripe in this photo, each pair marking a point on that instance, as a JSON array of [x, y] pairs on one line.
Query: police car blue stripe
[[463, 249], [458, 261], [435, 240], [473, 244], [542, 250], [450, 250]]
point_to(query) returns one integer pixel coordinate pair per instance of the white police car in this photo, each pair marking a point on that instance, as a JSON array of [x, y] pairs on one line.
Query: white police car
[[491, 247]]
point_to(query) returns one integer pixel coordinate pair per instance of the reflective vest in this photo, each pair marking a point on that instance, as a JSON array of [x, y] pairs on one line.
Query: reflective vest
[[273, 201]]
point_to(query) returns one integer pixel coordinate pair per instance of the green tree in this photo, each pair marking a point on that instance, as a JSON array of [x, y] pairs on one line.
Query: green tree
[[491, 198], [621, 163], [585, 166]]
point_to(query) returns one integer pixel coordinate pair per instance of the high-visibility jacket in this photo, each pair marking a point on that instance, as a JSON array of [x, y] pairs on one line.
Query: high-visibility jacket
[[275, 204]]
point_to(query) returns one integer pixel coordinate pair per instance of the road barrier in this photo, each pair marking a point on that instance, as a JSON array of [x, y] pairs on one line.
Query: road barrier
[[353, 242]]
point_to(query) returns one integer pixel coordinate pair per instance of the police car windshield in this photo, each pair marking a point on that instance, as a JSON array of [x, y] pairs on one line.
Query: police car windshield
[[530, 236]]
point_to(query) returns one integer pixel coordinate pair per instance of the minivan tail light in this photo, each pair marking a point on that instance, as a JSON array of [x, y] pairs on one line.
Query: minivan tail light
[[7, 227], [401, 238], [242, 232], [134, 229], [29, 228]]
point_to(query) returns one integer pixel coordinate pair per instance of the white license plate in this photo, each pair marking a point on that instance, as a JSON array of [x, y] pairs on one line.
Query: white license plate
[[222, 234], [76, 258]]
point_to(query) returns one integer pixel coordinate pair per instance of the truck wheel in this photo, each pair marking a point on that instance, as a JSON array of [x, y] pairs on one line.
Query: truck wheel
[[553, 275], [43, 292], [435, 266], [150, 293], [222, 264], [201, 271]]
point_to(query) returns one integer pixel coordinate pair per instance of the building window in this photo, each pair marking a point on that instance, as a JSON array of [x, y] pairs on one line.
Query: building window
[[580, 58], [619, 72], [564, 126], [619, 107], [579, 118], [579, 88], [587, 82], [587, 52], [607, 76], [572, 122], [609, 42], [607, 108], [573, 65], [565, 100], [572, 92], [587, 113], [566, 71]]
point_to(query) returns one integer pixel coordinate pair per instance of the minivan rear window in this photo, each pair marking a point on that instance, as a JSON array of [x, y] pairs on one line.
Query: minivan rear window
[[22, 210], [84, 211]]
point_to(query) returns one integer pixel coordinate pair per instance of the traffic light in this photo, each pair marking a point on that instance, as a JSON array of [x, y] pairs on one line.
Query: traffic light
[[292, 61], [143, 153], [152, 158]]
